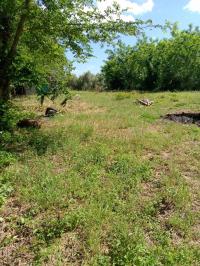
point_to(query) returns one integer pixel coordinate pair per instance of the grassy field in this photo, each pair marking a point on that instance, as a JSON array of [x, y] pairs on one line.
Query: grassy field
[[104, 182]]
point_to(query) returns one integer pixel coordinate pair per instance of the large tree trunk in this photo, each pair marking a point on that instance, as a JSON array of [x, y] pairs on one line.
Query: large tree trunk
[[8, 58], [5, 35]]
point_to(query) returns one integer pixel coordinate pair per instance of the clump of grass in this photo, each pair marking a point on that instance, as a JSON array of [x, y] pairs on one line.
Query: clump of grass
[[122, 96], [5, 189], [53, 228], [6, 158], [128, 167], [130, 249]]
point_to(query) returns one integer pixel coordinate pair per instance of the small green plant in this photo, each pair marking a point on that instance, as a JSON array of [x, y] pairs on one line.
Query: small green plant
[[5, 189], [40, 143], [86, 134], [8, 116], [55, 227], [6, 158], [127, 166]]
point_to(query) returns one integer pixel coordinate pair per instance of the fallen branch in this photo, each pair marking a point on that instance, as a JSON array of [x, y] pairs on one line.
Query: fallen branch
[[145, 102]]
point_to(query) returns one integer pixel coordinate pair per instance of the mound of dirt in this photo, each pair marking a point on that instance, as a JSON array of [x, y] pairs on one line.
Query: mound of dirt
[[184, 118]]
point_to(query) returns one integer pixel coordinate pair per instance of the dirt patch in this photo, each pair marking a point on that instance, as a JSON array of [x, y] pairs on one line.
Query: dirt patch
[[70, 251], [184, 118], [14, 238], [165, 207], [18, 243]]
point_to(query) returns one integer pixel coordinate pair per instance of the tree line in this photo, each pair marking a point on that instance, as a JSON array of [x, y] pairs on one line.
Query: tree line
[[35, 34], [170, 64], [156, 65]]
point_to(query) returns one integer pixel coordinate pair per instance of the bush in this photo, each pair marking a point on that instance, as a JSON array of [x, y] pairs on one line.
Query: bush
[[86, 81], [6, 158], [169, 64], [8, 116]]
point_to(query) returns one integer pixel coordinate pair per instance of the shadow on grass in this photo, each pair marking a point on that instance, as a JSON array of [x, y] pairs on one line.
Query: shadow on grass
[[19, 141], [13, 140]]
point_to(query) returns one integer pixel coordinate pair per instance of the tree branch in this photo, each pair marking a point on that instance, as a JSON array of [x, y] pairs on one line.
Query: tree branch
[[19, 30]]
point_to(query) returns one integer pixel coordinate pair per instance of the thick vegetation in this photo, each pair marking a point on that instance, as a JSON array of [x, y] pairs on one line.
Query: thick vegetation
[[34, 35], [86, 81], [156, 65], [106, 182]]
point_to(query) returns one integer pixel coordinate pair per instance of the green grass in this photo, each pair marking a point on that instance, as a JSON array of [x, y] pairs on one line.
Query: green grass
[[105, 182]]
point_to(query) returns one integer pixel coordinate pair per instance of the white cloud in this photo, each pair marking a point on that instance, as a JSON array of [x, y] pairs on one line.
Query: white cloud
[[132, 7], [193, 6], [127, 18]]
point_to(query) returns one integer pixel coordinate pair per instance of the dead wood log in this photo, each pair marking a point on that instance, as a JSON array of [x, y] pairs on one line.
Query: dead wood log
[[145, 102], [29, 123], [50, 111]]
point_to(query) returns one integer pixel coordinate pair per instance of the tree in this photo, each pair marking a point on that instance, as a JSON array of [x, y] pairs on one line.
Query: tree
[[7, 47], [40, 24], [32, 70], [153, 65], [86, 81]]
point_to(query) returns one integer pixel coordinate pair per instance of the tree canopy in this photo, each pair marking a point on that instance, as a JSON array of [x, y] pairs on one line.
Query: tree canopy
[[155, 65], [36, 33], [86, 81]]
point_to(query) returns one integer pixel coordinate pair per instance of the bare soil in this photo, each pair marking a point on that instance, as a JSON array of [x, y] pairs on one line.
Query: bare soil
[[184, 118]]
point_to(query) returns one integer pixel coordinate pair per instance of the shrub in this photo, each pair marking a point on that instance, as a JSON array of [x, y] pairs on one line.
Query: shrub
[[86, 81], [169, 64]]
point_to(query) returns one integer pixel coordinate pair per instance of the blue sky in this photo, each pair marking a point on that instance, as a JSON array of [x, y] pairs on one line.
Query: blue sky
[[183, 11]]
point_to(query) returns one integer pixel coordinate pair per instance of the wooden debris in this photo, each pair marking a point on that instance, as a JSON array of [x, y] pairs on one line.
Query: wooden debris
[[28, 123], [64, 102], [145, 102], [77, 97], [50, 111]]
